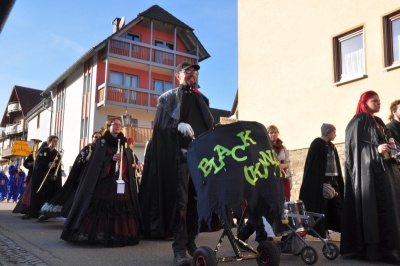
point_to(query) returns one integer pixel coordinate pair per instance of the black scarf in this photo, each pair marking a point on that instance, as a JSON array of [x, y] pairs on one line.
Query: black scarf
[[113, 141]]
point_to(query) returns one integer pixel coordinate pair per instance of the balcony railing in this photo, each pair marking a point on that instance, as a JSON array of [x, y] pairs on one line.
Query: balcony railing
[[136, 97], [15, 128], [14, 107], [142, 51], [140, 134]]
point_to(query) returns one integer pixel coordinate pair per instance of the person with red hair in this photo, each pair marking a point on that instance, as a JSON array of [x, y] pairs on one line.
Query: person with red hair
[[371, 206]]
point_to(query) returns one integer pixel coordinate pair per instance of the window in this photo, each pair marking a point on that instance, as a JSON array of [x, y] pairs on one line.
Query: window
[[391, 32], [160, 56], [161, 86], [117, 78], [124, 79], [348, 54], [164, 44], [131, 81], [38, 121], [132, 36]]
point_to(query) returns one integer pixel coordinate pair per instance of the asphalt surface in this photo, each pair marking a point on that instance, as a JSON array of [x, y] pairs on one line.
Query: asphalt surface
[[28, 242]]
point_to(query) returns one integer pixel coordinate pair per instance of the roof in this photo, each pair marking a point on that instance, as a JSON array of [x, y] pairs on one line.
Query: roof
[[218, 113], [154, 12], [28, 98], [158, 13]]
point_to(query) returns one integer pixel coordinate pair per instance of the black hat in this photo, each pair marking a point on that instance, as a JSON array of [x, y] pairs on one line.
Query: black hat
[[185, 65]]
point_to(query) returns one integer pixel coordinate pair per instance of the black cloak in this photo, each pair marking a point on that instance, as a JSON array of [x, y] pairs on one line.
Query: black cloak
[[60, 204], [394, 127], [313, 179], [371, 213], [50, 187], [158, 189], [89, 182]]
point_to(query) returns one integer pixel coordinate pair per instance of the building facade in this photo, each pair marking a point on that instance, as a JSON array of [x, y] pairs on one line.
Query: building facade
[[122, 75], [312, 60], [14, 134]]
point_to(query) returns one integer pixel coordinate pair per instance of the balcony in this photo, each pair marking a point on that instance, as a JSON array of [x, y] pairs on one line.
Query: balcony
[[145, 53], [12, 129], [13, 107], [140, 134], [125, 96]]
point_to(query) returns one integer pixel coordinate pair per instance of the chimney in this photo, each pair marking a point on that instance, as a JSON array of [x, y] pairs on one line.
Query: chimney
[[115, 24]]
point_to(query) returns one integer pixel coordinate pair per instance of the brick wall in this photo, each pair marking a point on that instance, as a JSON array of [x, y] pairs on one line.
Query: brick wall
[[298, 158]]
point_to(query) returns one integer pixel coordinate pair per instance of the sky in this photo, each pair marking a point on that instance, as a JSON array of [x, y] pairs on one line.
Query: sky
[[42, 38]]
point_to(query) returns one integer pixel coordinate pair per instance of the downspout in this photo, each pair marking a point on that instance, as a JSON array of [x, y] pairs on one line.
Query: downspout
[[173, 70], [51, 111], [106, 72]]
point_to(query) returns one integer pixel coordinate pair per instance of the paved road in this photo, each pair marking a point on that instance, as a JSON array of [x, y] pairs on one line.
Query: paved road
[[28, 242]]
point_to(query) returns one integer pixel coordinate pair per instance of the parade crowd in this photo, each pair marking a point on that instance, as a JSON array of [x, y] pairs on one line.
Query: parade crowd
[[107, 199]]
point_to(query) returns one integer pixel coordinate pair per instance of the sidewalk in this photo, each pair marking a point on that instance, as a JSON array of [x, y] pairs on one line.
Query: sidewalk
[[10, 252]]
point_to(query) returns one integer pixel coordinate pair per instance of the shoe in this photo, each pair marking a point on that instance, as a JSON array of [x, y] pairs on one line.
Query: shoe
[[191, 248], [180, 259], [245, 232], [262, 236], [373, 252], [42, 218], [25, 217], [390, 256]]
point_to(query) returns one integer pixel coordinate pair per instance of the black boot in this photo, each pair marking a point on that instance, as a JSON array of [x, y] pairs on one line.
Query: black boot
[[180, 259], [191, 248], [390, 256], [245, 232]]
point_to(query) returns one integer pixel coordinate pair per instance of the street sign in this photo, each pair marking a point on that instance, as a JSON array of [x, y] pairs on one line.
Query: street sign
[[20, 148]]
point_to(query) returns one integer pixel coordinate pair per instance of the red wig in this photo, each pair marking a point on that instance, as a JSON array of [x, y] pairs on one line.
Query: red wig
[[362, 103]]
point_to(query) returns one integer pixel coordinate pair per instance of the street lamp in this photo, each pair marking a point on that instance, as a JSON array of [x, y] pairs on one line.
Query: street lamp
[[126, 121]]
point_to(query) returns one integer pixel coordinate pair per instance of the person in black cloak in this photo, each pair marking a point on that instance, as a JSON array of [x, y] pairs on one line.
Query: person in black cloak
[[60, 204], [102, 212], [371, 206], [322, 167], [45, 181], [394, 118], [25, 201], [167, 195]]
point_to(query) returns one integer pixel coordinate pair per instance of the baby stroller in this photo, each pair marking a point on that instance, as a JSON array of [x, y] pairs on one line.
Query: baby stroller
[[225, 165], [300, 222], [266, 253]]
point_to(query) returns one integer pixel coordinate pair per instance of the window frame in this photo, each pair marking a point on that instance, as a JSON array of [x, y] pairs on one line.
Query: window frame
[[388, 40], [132, 36], [337, 55]]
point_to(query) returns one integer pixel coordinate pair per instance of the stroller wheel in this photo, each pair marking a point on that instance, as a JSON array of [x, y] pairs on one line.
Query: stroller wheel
[[269, 254], [204, 256], [330, 251], [309, 255]]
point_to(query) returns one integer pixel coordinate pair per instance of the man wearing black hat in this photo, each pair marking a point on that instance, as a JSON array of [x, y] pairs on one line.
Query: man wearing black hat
[[167, 195]]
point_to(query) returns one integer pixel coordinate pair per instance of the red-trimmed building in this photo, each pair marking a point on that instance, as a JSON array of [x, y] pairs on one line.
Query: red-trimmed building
[[123, 74]]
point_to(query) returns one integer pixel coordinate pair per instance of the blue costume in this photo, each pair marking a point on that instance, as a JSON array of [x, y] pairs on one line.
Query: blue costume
[[3, 186], [13, 184], [22, 184]]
